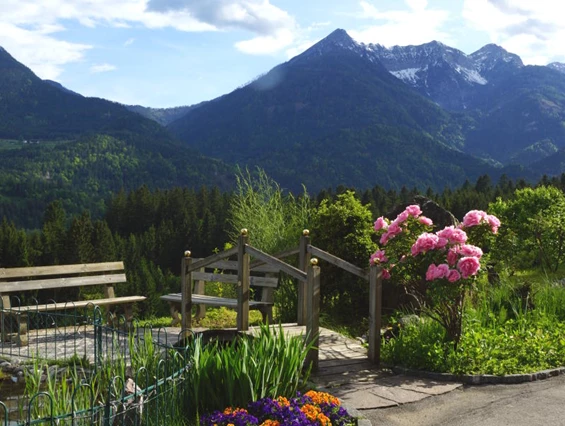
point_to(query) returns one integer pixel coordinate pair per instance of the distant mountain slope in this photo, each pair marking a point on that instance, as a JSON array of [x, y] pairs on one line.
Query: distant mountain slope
[[330, 116], [61, 87], [512, 108], [83, 149], [33, 108], [83, 173], [163, 116], [522, 110]]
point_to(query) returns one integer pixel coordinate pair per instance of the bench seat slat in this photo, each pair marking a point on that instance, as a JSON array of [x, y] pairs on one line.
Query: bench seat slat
[[37, 271], [201, 299], [232, 278], [76, 305], [12, 286]]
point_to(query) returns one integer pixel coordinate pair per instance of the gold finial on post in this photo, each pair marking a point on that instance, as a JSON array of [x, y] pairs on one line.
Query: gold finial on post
[[244, 232], [187, 253], [313, 261], [306, 232]]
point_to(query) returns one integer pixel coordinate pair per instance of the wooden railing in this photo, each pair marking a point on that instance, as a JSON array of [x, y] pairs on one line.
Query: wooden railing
[[308, 276]]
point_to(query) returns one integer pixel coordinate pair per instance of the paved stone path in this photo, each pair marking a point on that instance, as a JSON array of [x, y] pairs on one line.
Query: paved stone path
[[346, 373]]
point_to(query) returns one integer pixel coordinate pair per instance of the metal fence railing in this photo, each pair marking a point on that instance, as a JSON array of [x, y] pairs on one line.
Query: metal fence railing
[[80, 369]]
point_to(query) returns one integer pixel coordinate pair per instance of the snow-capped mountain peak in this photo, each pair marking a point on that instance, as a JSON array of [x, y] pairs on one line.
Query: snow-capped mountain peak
[[558, 66], [491, 55], [338, 39]]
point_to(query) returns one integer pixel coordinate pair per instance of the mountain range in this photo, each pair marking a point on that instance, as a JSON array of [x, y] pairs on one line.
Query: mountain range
[[342, 112]]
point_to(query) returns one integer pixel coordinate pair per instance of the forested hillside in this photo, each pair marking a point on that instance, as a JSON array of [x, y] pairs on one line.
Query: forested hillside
[[150, 230]]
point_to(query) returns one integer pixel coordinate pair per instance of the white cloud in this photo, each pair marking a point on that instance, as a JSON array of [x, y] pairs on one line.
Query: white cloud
[[28, 27], [415, 25], [258, 16], [38, 50], [98, 68], [533, 30], [268, 44], [129, 41]]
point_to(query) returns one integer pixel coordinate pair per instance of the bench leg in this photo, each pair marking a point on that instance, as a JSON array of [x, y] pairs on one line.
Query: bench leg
[[128, 313], [267, 313], [200, 312], [22, 339], [174, 314]]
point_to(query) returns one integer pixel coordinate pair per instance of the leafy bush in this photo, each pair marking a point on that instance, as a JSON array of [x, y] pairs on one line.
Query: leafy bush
[[501, 335], [534, 229]]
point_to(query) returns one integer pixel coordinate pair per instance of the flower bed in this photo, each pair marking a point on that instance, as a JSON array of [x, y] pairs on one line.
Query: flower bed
[[312, 408]]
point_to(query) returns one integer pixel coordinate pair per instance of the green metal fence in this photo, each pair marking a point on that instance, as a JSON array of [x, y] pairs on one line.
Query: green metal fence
[[118, 374]]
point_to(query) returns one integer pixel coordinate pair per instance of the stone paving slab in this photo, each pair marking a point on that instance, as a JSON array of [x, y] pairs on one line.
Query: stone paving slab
[[363, 400], [426, 386], [388, 391]]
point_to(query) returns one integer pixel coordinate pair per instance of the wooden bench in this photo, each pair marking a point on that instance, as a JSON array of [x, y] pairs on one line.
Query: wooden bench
[[18, 280], [225, 271]]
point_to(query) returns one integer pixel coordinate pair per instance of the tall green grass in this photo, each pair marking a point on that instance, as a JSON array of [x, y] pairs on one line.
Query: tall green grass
[[268, 364]]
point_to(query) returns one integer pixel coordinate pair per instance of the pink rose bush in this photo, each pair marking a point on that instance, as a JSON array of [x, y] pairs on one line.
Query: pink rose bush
[[447, 247], [411, 253]]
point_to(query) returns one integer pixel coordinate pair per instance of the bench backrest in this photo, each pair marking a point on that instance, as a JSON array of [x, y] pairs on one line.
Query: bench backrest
[[60, 276], [212, 273]]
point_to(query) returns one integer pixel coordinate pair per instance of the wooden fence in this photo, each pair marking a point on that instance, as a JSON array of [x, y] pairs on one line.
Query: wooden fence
[[308, 276]]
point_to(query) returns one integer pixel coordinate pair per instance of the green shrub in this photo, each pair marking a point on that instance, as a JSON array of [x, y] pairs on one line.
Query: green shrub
[[530, 342]]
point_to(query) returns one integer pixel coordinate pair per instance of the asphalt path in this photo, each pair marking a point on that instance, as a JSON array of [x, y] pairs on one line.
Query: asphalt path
[[528, 404]]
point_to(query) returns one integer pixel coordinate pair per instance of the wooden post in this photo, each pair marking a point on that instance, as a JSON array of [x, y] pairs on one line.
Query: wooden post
[[186, 294], [199, 288], [375, 313], [243, 283], [313, 313], [303, 263]]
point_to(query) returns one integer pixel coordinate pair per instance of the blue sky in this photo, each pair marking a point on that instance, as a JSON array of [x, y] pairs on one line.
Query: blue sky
[[164, 53]]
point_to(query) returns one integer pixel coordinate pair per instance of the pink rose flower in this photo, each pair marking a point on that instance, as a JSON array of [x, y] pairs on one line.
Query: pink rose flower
[[445, 232], [470, 250], [468, 266], [453, 275], [452, 257], [414, 210], [441, 271], [424, 243], [458, 236], [441, 242], [425, 221], [494, 223], [401, 217], [378, 257], [453, 235], [474, 218], [381, 223], [431, 272], [384, 238], [394, 229], [386, 274]]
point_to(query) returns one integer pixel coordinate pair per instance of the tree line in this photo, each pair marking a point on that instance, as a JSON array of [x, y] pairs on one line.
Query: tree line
[[150, 229]]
